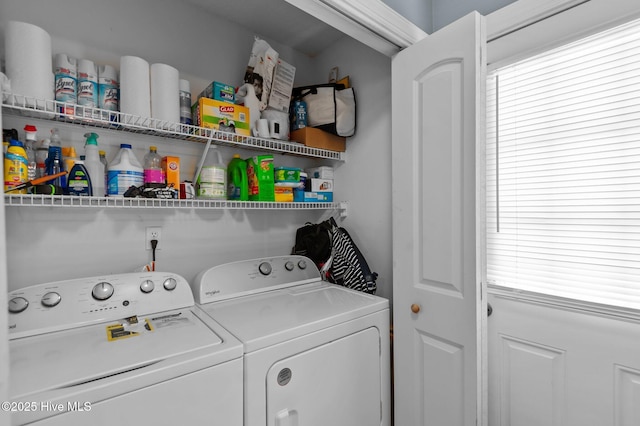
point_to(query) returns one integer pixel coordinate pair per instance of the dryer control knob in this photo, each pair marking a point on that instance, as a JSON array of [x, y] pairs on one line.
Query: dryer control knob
[[51, 299], [265, 268], [18, 304], [147, 286], [170, 284], [289, 266], [302, 264], [102, 291]]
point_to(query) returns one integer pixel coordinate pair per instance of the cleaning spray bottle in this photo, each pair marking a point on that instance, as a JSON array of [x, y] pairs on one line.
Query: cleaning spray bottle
[[93, 165]]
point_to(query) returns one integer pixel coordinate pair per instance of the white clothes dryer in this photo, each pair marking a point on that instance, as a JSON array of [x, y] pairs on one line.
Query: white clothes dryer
[[120, 350], [316, 353]]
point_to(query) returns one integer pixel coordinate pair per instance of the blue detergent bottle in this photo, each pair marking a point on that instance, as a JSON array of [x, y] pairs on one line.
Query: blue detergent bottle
[[79, 181]]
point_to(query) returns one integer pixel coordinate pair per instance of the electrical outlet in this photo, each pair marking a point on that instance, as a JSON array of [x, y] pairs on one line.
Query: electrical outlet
[[153, 233]]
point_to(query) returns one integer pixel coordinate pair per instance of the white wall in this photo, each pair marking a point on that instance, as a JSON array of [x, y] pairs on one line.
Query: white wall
[[47, 244]]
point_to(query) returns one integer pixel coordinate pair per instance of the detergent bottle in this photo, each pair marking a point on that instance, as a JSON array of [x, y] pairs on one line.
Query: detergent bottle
[[212, 181], [79, 180], [237, 182], [15, 166], [124, 171]]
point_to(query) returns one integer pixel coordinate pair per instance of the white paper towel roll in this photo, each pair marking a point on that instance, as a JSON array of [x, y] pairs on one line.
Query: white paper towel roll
[[29, 62], [165, 93], [135, 92]]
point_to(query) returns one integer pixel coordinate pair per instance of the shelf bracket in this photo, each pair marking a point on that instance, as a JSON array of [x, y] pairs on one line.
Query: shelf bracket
[[344, 209]]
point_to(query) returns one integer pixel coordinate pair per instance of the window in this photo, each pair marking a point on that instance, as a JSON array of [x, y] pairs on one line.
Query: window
[[563, 171]]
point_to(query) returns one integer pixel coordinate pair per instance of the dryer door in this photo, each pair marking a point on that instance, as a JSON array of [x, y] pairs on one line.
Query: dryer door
[[336, 384]]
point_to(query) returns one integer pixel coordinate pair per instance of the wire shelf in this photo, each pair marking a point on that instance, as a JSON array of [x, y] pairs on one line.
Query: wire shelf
[[66, 201], [101, 118]]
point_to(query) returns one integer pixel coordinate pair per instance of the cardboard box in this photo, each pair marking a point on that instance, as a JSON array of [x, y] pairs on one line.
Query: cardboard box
[[260, 178], [322, 172], [312, 197], [319, 185], [317, 138], [171, 167], [222, 116], [219, 91]]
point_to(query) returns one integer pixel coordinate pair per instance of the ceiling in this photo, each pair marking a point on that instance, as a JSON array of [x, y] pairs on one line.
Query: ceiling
[[276, 20]]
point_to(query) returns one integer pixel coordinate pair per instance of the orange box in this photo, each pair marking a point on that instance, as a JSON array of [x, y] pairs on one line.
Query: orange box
[[316, 138], [171, 167]]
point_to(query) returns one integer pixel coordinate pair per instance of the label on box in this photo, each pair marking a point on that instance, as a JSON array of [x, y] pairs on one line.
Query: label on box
[[320, 185]]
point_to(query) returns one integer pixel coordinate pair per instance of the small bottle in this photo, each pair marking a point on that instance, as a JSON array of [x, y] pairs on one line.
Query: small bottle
[[15, 166], [185, 102], [79, 180], [153, 171], [125, 171], [93, 165], [42, 151], [30, 146], [54, 163], [103, 160]]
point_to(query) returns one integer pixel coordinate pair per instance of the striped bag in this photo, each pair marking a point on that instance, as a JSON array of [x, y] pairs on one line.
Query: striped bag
[[347, 266]]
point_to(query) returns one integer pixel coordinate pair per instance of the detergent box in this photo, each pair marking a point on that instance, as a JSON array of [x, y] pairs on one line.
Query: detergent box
[[223, 116], [261, 178], [219, 91]]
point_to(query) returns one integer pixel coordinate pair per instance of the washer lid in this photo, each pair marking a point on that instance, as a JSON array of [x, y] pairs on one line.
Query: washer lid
[[88, 357], [265, 319]]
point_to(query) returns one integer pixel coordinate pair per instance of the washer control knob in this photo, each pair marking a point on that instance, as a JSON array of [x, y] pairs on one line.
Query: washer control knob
[[51, 299], [147, 286], [102, 291], [170, 284], [18, 304], [289, 266], [265, 268], [302, 264]]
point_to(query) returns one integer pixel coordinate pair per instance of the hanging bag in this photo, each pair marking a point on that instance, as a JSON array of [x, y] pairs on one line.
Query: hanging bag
[[330, 107], [335, 253]]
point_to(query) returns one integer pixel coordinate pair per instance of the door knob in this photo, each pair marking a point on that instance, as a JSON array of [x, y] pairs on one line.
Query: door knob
[[415, 308]]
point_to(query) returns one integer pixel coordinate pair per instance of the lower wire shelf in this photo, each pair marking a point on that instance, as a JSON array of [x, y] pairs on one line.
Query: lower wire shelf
[[30, 200]]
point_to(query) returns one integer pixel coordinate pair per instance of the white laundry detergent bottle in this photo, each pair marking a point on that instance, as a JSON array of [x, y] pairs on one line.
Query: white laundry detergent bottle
[[124, 171], [212, 180]]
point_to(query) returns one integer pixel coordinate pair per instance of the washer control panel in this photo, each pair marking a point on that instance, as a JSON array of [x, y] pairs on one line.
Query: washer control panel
[[253, 276], [73, 303]]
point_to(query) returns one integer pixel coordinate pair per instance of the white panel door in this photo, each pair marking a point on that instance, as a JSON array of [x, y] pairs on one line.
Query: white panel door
[[438, 169]]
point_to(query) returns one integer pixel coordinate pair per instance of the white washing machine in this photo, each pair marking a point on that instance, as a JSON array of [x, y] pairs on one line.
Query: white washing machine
[[120, 350], [316, 354]]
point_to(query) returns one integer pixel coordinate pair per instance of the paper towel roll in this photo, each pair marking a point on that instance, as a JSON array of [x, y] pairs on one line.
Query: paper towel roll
[[165, 93], [135, 92], [29, 63]]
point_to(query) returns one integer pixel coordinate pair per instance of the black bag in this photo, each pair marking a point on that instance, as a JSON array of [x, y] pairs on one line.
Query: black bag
[[335, 253], [330, 107]]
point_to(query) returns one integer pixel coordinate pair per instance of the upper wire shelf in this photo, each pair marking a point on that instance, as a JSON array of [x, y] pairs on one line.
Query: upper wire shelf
[[101, 118]]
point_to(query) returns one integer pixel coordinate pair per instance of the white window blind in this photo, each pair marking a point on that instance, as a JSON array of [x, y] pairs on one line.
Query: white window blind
[[563, 171]]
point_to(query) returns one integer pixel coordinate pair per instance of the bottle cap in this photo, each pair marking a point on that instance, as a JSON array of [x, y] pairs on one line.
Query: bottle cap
[[92, 139]]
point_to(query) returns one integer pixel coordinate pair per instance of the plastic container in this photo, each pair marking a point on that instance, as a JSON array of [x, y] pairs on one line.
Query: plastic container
[[212, 181], [79, 180], [30, 147], [69, 156], [15, 166], [237, 181], [153, 172], [124, 171], [54, 163], [94, 166]]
